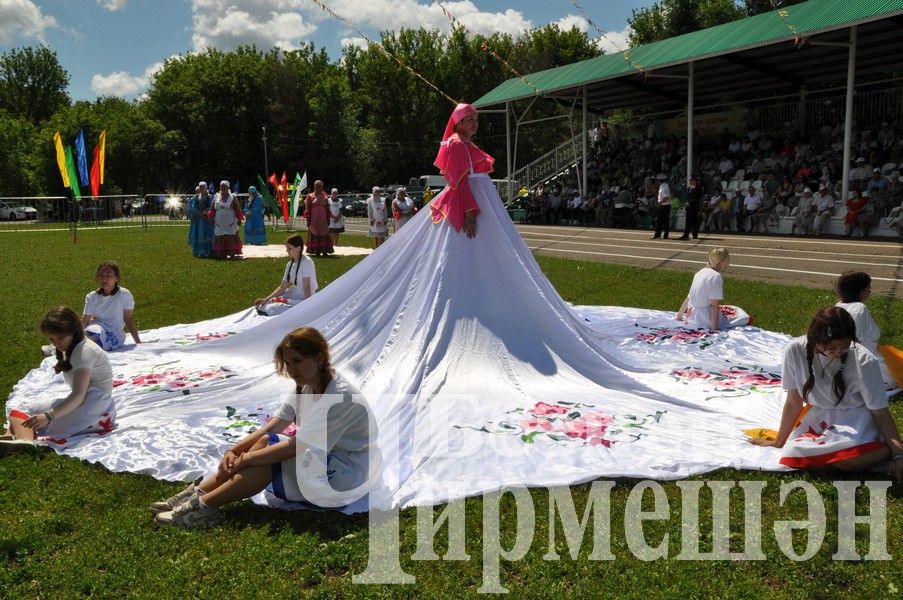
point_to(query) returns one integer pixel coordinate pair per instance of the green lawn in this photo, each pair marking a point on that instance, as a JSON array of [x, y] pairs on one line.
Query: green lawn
[[69, 529]]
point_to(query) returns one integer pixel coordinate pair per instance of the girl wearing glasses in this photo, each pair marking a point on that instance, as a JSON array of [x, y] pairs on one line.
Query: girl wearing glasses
[[836, 411]]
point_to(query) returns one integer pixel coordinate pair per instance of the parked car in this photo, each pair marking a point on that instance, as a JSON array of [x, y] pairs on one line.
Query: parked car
[[355, 205], [15, 212]]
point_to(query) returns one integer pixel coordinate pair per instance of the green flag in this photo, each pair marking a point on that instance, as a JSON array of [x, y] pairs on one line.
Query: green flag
[[73, 174], [265, 194]]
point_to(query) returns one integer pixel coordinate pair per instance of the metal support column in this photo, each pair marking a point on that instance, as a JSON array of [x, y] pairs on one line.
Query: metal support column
[[848, 115]]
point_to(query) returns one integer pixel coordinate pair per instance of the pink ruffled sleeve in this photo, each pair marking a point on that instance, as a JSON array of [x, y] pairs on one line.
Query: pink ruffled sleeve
[[457, 199]]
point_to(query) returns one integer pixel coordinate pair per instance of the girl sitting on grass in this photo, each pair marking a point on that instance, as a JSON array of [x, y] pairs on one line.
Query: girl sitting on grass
[[836, 412], [108, 309], [322, 404], [299, 282], [89, 406]]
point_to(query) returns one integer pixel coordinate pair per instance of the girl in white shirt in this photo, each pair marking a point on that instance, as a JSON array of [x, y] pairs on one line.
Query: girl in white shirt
[[332, 460], [299, 281], [702, 307], [89, 406], [836, 411], [853, 289], [109, 309]]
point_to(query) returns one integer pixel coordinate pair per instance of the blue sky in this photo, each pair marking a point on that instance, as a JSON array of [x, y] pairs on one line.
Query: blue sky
[[112, 47]]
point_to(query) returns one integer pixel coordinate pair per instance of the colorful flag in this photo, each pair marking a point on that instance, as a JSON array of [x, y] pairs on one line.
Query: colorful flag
[[95, 172], [102, 142], [265, 194], [61, 158], [81, 157], [296, 197], [73, 176]]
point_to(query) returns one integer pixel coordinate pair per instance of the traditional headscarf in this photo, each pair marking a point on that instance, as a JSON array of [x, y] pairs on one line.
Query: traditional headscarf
[[461, 111], [224, 182], [252, 189]]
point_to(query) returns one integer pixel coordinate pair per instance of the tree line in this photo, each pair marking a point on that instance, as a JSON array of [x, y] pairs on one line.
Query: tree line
[[353, 122]]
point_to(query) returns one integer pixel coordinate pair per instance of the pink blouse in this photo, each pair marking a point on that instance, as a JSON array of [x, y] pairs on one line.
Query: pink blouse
[[455, 159]]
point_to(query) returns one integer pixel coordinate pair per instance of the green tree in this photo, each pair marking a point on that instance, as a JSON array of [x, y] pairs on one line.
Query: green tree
[[669, 18], [32, 83]]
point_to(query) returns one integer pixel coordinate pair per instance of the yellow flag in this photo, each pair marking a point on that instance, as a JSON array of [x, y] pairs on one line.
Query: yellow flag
[[61, 158], [101, 155]]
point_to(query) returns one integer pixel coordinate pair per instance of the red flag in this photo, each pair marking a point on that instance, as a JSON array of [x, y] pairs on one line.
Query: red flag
[[283, 196], [95, 172]]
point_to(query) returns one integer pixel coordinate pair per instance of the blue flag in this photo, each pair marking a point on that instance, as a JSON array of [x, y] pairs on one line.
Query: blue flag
[[82, 158]]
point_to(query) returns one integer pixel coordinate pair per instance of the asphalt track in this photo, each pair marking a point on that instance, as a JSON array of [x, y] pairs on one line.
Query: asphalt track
[[806, 261]]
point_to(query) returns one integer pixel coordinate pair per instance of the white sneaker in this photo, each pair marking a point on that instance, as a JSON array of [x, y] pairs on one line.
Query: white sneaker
[[189, 515], [174, 501]]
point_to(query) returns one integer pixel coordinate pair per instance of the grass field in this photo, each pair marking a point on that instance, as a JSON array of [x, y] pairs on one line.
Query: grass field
[[70, 529]]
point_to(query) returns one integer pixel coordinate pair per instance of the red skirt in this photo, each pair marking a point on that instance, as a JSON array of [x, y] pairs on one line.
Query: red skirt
[[226, 245]]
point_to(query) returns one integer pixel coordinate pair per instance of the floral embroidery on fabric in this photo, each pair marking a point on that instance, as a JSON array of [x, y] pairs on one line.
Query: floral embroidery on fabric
[[171, 380], [816, 436], [732, 382], [729, 312], [660, 335], [570, 423], [202, 337], [239, 425]]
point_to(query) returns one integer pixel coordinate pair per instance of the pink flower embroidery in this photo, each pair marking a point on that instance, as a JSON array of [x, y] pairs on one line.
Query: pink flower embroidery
[[542, 409], [541, 424]]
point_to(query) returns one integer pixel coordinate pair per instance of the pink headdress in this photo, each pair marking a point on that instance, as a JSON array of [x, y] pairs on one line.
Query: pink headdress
[[461, 111]]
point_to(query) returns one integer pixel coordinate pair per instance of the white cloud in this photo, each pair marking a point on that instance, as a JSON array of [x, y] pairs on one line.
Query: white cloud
[[264, 23], [383, 15], [614, 41], [120, 83], [354, 41], [567, 22], [111, 5], [23, 18]]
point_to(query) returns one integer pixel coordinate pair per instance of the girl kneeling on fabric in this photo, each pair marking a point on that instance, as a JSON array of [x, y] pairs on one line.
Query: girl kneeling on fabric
[[299, 282], [325, 406], [836, 409], [89, 406]]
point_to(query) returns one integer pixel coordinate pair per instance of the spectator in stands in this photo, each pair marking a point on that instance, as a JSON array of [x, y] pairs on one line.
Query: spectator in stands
[[726, 166], [752, 200], [824, 209], [878, 182], [725, 212], [855, 204], [805, 214], [860, 172], [872, 213]]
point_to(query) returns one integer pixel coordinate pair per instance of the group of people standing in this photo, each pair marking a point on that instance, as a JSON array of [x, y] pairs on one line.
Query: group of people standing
[[215, 219]]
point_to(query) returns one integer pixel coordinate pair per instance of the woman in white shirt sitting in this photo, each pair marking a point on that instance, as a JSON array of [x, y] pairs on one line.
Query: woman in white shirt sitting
[[299, 282], [702, 307]]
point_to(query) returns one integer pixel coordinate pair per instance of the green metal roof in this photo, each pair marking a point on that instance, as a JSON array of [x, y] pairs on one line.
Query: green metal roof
[[801, 20]]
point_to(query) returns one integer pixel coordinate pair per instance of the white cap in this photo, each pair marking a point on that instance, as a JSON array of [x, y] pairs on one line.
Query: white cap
[[807, 191], [376, 189], [334, 191]]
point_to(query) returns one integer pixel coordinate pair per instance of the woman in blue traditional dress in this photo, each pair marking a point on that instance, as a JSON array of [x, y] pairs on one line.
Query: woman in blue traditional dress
[[200, 233], [255, 230]]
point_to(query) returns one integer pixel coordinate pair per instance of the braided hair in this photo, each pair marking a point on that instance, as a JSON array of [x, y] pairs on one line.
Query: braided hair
[[828, 324], [62, 320]]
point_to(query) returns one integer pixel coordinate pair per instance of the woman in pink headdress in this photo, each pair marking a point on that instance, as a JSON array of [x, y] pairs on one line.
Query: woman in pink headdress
[[458, 159]]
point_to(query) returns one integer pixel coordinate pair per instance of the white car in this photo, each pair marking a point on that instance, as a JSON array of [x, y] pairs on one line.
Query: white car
[[11, 212]]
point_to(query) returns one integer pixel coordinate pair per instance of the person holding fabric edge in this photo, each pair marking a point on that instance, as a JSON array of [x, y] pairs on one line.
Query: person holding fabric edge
[[86, 368], [263, 459], [108, 309], [289, 293], [845, 422], [459, 158], [702, 306]]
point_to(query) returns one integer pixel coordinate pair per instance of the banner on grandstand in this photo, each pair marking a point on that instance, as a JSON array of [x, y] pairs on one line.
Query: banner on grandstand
[[708, 125]]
